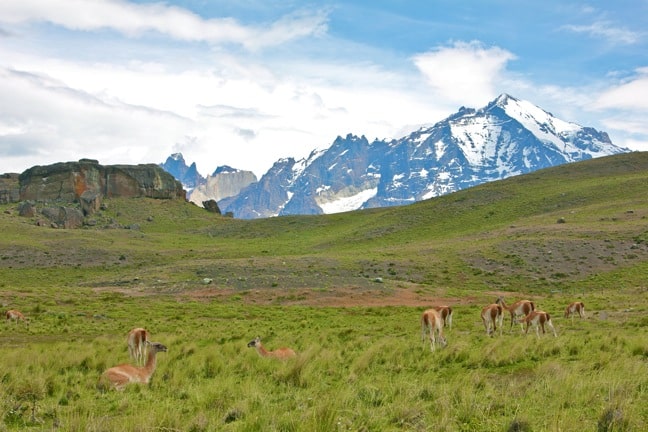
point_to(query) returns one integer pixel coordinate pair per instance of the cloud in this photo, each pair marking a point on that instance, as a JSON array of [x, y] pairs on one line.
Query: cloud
[[133, 20], [630, 94], [464, 72], [624, 109], [606, 30], [49, 122]]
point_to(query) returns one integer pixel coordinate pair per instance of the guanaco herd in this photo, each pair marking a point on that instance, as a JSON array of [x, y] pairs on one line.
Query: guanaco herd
[[522, 312], [144, 352]]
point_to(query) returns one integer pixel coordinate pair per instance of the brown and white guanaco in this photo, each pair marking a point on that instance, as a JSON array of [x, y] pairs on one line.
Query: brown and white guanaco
[[15, 316], [519, 308], [446, 314], [537, 319], [431, 320], [491, 316], [118, 377], [137, 339], [279, 353], [574, 308]]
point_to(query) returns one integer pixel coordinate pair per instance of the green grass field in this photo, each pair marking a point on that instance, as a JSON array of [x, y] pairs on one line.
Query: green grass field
[[346, 292]]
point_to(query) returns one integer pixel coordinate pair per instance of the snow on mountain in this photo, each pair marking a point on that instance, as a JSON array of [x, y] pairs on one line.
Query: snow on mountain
[[507, 137]]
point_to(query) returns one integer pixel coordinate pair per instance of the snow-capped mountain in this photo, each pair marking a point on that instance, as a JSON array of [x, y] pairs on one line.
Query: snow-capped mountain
[[505, 138]]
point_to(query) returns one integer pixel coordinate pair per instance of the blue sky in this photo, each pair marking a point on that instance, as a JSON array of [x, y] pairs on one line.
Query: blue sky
[[244, 83]]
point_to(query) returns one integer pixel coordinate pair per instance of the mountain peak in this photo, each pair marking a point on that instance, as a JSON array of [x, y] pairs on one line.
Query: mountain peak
[[502, 101], [507, 137], [177, 157]]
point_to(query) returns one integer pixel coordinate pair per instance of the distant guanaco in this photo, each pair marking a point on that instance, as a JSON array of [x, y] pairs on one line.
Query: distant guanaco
[[279, 353], [574, 308], [432, 320], [14, 315], [537, 319], [446, 314], [137, 339], [517, 309], [118, 377]]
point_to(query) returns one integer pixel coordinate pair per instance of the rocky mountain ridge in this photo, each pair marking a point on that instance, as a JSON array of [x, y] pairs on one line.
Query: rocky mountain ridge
[[505, 138]]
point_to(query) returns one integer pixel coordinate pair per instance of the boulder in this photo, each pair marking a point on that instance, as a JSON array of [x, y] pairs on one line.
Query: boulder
[[26, 209], [90, 202], [64, 217], [211, 206]]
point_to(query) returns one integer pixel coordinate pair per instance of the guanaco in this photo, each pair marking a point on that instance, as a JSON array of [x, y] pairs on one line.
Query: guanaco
[[491, 316], [537, 319], [517, 309], [137, 339], [432, 320], [279, 353], [446, 314], [574, 308], [118, 377], [14, 315]]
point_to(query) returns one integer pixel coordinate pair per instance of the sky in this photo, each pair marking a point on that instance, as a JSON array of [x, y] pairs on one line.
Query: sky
[[244, 83]]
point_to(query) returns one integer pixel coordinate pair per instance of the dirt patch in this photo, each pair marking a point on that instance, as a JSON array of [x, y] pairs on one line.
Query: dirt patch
[[410, 295]]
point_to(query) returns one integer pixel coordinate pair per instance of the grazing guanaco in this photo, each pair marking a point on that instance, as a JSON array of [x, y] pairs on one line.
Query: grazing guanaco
[[118, 377], [574, 308], [491, 316], [137, 339], [519, 308], [446, 314], [14, 315], [431, 320], [537, 319], [279, 353]]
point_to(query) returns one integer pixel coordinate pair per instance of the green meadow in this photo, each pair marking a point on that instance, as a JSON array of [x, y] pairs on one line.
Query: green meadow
[[346, 292]]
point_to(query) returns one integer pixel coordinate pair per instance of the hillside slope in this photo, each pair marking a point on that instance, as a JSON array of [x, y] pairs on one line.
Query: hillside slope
[[578, 226]]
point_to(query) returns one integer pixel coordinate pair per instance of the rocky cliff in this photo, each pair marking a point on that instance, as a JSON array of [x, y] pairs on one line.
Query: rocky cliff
[[225, 182], [68, 181]]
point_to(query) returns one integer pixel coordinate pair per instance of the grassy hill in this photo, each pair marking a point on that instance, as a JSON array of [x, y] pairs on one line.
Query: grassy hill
[[578, 226], [346, 291]]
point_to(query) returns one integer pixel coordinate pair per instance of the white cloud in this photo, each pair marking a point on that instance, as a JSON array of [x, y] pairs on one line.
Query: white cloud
[[132, 101], [608, 31], [465, 72], [631, 94], [135, 19]]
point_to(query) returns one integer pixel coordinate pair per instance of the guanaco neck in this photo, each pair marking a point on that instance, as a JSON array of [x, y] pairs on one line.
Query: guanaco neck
[[261, 350], [151, 362], [504, 305]]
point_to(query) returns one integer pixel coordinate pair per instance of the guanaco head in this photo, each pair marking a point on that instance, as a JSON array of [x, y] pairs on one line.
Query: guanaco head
[[254, 343], [157, 347]]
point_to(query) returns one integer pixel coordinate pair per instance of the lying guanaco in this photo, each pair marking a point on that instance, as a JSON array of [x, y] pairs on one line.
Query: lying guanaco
[[120, 376], [279, 353]]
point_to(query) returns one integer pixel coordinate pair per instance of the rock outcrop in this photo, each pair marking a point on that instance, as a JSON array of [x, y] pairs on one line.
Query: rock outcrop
[[9, 188], [70, 181]]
